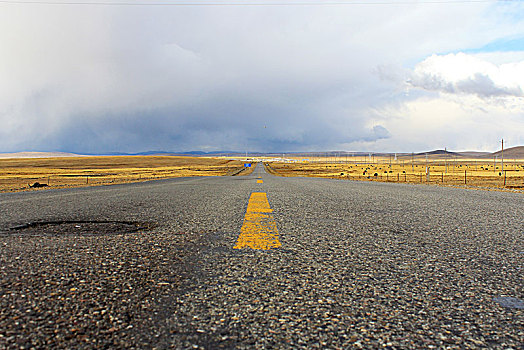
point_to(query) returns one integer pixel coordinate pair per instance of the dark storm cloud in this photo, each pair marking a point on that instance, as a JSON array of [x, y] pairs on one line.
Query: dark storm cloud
[[112, 79]]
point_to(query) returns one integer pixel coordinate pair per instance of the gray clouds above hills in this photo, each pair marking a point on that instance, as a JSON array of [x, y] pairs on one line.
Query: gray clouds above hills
[[90, 79]]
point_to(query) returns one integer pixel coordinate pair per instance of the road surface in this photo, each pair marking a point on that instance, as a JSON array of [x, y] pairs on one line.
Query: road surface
[[351, 264]]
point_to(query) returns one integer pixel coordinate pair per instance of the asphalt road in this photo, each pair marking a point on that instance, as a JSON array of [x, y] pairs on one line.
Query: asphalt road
[[361, 264]]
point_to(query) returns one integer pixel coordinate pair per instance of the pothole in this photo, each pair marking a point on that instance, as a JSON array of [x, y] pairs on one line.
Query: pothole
[[82, 227]]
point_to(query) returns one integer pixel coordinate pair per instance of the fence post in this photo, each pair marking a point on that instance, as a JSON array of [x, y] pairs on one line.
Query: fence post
[[87, 179], [505, 178], [442, 177], [465, 177]]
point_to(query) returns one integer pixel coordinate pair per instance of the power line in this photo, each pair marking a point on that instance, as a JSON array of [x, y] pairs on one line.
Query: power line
[[243, 4]]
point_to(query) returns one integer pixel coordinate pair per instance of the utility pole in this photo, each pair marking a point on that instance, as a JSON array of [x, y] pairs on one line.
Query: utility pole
[[446, 159], [502, 155]]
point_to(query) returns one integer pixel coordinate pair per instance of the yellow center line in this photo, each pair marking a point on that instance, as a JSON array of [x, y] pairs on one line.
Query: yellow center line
[[259, 230], [260, 182]]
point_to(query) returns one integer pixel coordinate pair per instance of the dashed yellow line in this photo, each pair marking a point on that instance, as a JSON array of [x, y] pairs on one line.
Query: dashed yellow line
[[259, 230], [260, 182]]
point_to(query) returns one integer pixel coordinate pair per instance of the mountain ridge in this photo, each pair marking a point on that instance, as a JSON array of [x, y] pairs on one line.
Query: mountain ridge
[[516, 152]]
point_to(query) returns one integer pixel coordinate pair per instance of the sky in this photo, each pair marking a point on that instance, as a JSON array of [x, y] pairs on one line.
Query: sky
[[347, 75]]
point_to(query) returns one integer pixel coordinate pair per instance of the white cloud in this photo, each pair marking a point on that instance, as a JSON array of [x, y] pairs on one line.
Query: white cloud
[[458, 124], [457, 101], [465, 74]]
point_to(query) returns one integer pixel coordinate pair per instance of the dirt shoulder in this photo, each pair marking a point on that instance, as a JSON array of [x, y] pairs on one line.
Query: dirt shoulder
[[65, 172]]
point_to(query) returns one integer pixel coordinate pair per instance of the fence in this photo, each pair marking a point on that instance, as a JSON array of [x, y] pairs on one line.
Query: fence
[[60, 181], [507, 179], [442, 172]]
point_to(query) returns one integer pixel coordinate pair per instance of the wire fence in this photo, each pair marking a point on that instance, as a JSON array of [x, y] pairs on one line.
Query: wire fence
[[441, 172], [25, 182], [14, 182], [504, 180]]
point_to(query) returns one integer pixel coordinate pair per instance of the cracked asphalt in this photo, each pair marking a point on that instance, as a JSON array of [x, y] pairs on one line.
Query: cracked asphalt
[[362, 265]]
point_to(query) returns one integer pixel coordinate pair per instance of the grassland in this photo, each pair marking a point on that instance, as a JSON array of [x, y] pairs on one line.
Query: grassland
[[18, 174], [481, 173]]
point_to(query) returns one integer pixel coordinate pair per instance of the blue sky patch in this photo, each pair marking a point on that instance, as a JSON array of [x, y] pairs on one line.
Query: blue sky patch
[[500, 45]]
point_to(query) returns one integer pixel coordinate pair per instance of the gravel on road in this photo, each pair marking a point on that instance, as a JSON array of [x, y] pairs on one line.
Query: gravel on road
[[362, 265]]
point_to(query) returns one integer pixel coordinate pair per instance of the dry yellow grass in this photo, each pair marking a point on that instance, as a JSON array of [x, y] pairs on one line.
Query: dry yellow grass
[[17, 174], [470, 172]]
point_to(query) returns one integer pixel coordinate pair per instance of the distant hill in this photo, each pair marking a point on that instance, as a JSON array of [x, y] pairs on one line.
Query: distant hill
[[474, 154], [38, 155], [189, 153], [438, 152], [150, 153], [513, 152], [510, 153]]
